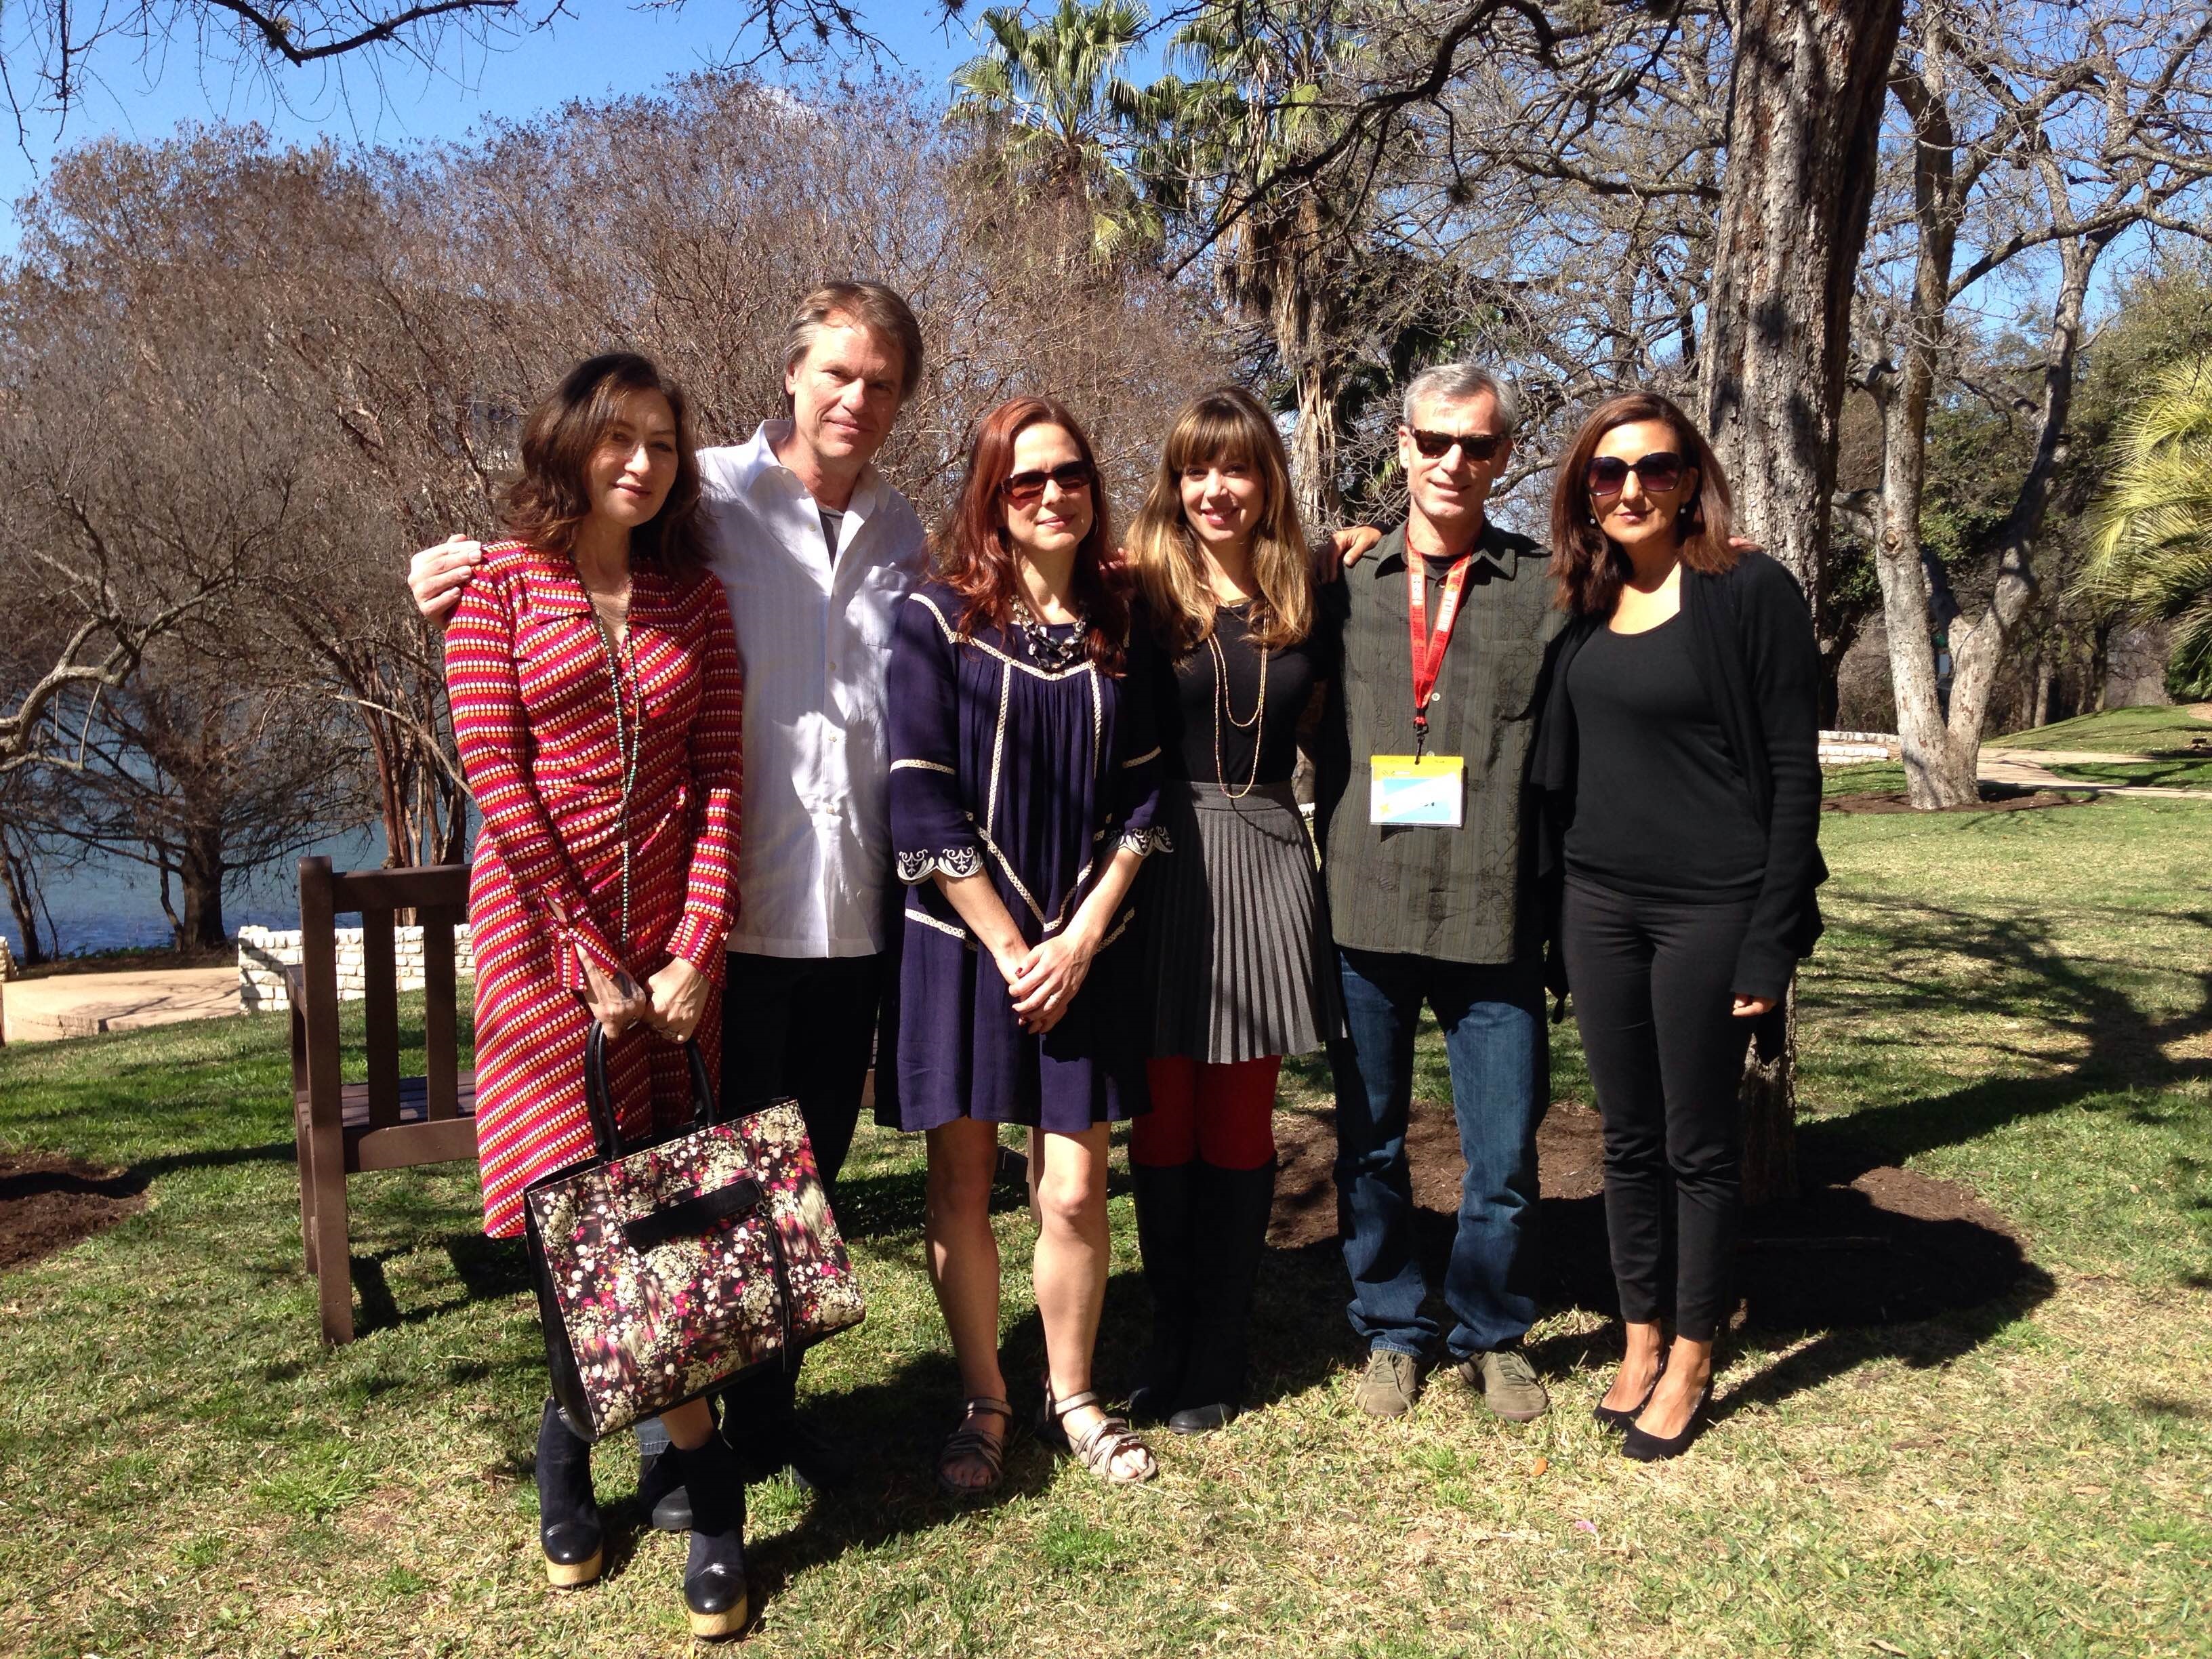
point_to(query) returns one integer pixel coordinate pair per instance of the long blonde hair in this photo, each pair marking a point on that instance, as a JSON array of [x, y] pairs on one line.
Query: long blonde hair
[[1227, 424]]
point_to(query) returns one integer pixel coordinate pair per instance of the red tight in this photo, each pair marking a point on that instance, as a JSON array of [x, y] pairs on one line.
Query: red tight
[[1224, 1115]]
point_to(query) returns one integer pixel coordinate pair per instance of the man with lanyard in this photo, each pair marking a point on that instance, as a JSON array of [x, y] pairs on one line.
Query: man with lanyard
[[816, 550], [1420, 816]]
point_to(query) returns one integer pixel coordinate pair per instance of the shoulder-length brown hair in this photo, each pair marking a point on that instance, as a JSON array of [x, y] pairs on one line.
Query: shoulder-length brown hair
[[975, 558], [553, 497], [1588, 565], [1226, 426]]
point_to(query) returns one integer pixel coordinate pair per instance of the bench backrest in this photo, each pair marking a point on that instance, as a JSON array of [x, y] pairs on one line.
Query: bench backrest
[[439, 895]]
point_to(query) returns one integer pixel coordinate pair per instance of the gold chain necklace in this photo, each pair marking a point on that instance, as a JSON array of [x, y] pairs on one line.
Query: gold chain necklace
[[1223, 706]]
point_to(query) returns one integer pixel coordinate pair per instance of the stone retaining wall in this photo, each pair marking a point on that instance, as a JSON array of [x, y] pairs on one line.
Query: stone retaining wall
[[264, 953], [1848, 748]]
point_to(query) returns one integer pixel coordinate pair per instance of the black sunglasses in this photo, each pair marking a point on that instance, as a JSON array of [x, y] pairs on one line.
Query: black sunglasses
[[1024, 487], [1658, 472], [1475, 446]]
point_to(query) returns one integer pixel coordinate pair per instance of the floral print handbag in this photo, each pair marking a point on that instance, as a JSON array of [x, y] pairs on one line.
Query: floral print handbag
[[665, 1269]]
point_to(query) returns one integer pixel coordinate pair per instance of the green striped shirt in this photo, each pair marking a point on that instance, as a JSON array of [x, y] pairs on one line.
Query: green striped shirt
[[1462, 895]]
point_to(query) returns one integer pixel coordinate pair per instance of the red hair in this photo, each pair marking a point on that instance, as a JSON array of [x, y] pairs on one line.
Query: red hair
[[975, 557]]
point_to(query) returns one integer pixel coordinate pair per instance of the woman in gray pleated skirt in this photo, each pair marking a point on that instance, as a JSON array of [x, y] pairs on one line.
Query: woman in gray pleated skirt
[[1237, 933]]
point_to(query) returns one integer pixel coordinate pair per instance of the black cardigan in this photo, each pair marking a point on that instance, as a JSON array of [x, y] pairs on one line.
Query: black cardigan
[[1751, 636]]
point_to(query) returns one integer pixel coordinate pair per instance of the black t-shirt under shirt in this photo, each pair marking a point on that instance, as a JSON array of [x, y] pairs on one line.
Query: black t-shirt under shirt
[[1662, 810], [1188, 717]]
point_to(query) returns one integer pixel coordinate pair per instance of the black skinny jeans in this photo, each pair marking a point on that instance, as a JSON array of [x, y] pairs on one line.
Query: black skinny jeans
[[1652, 991]]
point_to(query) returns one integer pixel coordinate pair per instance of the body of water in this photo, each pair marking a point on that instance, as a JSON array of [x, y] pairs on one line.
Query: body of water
[[111, 905]]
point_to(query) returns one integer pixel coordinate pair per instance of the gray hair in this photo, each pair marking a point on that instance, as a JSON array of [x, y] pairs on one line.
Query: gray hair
[[1457, 380]]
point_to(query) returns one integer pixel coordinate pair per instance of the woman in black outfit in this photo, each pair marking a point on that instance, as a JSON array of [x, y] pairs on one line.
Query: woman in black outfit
[[1679, 769], [1238, 943]]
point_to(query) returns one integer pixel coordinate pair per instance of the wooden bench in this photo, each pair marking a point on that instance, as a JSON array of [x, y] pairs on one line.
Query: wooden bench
[[384, 1121]]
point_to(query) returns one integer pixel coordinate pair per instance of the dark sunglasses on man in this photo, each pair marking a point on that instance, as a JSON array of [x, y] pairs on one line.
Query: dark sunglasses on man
[[1027, 489], [1658, 472], [1476, 447]]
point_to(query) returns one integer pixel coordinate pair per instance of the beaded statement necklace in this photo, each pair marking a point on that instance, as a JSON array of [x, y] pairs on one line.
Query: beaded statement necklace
[[1053, 655], [629, 740], [1222, 707]]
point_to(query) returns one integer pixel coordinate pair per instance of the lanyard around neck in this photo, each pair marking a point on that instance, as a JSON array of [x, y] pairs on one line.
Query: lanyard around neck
[[1429, 648]]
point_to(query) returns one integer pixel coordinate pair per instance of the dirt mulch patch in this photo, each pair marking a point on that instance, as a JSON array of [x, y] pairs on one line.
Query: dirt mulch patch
[[48, 1204], [1860, 1246]]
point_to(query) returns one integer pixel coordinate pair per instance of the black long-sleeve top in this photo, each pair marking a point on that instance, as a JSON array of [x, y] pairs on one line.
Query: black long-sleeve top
[[1751, 638], [1677, 824]]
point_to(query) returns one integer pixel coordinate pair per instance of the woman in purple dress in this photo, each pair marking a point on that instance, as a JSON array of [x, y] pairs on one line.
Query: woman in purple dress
[[1025, 773]]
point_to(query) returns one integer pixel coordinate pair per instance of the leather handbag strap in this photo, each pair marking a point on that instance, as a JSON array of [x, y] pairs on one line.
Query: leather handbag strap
[[693, 1215], [599, 1099]]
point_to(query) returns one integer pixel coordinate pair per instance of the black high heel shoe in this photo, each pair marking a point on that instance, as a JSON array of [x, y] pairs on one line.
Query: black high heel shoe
[[1652, 1449], [1614, 1418], [568, 1514]]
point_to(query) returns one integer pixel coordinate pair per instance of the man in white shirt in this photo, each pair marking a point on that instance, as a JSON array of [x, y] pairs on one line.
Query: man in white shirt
[[816, 550]]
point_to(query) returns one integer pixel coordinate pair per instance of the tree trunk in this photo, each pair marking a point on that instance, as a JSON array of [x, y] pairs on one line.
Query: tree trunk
[[1301, 323], [200, 871], [1805, 101], [1978, 654], [1917, 605], [20, 880]]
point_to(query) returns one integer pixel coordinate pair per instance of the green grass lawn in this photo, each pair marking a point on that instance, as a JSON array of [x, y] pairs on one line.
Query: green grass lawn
[[2118, 731], [1865, 778], [2019, 1002]]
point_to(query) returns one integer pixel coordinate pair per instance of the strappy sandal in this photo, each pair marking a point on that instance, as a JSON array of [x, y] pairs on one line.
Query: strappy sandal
[[1097, 1448], [966, 1445]]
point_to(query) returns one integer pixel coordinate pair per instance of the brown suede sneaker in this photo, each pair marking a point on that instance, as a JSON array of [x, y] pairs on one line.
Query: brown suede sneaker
[[1391, 1385], [1508, 1382]]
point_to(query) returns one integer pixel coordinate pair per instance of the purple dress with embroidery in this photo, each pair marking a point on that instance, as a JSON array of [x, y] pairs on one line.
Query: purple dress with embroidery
[[1033, 777]]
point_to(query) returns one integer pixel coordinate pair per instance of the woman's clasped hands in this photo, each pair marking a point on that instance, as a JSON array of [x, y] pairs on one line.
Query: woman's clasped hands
[[1043, 979], [671, 1001]]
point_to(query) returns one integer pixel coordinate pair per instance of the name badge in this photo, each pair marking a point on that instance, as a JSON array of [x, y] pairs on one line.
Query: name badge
[[1424, 789]]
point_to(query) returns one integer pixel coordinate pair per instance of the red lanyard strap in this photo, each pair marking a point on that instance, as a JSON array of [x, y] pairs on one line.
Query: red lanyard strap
[[1429, 648]]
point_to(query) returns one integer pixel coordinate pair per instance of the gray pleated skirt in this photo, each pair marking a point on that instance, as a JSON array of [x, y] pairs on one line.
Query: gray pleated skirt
[[1237, 929]]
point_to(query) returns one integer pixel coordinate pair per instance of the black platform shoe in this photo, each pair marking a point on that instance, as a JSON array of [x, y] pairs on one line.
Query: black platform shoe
[[1163, 1243], [1651, 1449], [715, 1572], [568, 1516], [661, 1493], [1229, 1232]]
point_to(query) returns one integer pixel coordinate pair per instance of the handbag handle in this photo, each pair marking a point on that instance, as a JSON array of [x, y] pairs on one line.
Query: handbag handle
[[599, 1099]]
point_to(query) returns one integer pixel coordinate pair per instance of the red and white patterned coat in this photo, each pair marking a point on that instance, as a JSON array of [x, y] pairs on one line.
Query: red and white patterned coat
[[534, 713]]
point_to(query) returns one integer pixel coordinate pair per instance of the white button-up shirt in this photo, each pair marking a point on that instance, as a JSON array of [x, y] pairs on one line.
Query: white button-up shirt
[[814, 851]]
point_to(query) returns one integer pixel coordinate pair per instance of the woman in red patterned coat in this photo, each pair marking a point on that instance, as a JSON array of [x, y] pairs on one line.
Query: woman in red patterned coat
[[595, 688]]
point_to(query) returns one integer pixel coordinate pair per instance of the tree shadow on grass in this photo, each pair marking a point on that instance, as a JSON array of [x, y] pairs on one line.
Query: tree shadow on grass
[[2020, 967]]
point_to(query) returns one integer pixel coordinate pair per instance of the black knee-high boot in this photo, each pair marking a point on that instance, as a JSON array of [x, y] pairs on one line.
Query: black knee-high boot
[[568, 1514], [1163, 1240], [715, 1572], [1229, 1231]]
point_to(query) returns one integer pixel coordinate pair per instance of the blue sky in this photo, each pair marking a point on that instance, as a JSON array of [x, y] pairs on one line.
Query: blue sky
[[607, 47]]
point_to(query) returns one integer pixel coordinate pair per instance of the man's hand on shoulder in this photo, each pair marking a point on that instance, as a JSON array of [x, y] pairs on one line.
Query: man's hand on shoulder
[[1353, 544], [436, 575]]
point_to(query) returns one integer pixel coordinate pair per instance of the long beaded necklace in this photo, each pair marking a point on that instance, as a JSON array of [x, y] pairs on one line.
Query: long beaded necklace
[[629, 740], [1053, 655], [1222, 707]]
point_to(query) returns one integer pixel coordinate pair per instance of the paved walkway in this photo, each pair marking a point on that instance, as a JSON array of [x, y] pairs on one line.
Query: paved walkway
[[2030, 768], [81, 1004]]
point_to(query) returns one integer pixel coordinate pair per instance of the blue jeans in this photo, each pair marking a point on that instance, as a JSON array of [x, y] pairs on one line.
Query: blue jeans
[[1494, 1038]]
